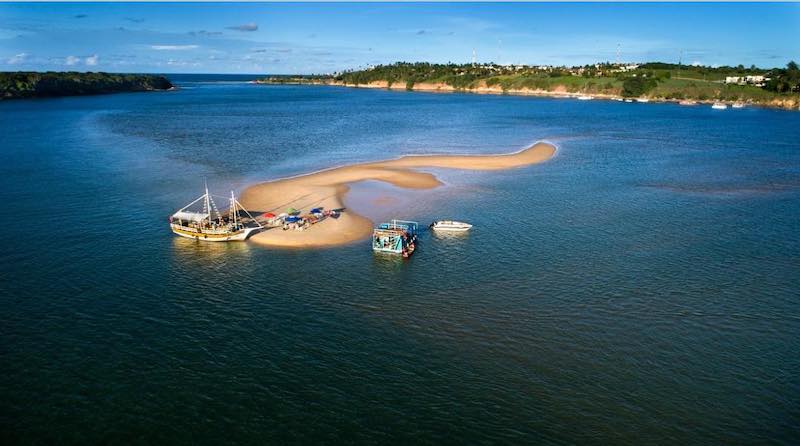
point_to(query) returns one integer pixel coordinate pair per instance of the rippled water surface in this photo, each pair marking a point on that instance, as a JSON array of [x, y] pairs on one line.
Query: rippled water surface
[[641, 287]]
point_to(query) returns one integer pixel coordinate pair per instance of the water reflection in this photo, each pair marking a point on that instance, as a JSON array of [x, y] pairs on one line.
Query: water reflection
[[450, 237], [388, 262], [186, 250]]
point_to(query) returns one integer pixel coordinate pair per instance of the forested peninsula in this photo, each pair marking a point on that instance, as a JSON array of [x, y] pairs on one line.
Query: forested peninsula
[[655, 81], [16, 85]]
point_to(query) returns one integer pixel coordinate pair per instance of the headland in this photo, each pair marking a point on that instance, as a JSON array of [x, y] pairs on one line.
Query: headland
[[27, 84]]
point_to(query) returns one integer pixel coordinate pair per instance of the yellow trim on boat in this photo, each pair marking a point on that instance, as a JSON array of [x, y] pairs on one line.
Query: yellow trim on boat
[[204, 234]]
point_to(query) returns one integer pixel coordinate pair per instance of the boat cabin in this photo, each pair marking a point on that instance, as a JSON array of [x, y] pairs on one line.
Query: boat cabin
[[396, 237]]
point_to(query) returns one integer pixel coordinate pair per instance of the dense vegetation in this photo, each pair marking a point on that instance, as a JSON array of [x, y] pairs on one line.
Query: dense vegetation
[[784, 81], [655, 80], [49, 84], [638, 86]]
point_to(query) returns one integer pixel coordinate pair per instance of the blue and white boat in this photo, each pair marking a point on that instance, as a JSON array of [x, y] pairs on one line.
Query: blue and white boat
[[395, 237]]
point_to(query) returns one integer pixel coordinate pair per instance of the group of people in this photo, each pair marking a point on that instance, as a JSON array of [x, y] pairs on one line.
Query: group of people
[[301, 223]]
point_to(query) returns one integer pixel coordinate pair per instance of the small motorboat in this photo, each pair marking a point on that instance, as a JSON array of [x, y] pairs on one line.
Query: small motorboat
[[719, 106], [585, 98], [449, 225], [737, 105]]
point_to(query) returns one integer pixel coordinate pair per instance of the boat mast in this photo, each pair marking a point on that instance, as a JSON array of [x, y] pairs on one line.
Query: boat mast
[[207, 204], [248, 213], [233, 209]]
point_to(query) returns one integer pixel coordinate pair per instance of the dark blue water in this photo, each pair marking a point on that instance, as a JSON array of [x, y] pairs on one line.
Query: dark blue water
[[642, 287]]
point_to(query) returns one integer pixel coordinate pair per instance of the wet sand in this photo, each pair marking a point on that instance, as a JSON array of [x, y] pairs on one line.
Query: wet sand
[[327, 189]]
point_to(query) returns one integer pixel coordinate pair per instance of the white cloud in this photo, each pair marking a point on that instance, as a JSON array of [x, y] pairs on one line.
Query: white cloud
[[173, 47], [71, 60], [697, 63], [17, 58], [92, 60]]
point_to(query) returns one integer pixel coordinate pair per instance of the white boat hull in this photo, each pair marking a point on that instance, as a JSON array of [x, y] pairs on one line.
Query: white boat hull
[[212, 237], [451, 226]]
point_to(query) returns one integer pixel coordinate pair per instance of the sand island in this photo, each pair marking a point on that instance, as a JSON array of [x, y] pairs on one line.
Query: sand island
[[327, 189]]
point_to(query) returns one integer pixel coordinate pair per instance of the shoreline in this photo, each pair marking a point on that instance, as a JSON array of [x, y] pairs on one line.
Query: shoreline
[[328, 188], [427, 87]]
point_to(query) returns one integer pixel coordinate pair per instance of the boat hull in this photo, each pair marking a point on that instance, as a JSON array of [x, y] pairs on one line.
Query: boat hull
[[450, 226], [213, 237], [452, 229]]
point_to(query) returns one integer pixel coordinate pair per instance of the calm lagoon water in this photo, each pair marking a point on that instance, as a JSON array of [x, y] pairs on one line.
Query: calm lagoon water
[[642, 287]]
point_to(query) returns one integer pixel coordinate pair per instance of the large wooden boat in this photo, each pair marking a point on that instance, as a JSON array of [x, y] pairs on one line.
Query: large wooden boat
[[209, 225]]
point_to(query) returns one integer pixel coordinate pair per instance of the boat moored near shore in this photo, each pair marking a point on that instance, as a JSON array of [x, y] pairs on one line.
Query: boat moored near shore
[[395, 237], [451, 226], [209, 225]]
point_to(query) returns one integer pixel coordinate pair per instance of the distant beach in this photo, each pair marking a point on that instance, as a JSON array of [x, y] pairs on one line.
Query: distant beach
[[327, 189]]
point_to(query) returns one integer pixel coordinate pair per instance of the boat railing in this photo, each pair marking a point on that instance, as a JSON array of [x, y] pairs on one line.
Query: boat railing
[[205, 230], [401, 225]]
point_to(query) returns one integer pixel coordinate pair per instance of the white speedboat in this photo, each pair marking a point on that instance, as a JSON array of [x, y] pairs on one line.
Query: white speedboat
[[738, 105], [719, 106], [585, 98], [642, 100], [449, 225]]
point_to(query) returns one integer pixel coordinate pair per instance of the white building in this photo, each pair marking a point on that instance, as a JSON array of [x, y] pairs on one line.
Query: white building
[[758, 80], [624, 68]]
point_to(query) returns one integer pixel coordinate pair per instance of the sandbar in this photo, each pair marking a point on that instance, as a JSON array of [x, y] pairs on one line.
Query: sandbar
[[327, 188]]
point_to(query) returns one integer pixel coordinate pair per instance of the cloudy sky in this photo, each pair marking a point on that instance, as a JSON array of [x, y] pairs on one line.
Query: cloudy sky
[[321, 38]]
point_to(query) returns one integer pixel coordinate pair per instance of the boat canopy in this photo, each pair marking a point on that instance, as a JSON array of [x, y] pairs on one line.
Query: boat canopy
[[190, 216]]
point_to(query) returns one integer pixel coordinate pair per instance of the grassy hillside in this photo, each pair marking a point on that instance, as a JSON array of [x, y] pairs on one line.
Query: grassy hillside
[[653, 80], [49, 84]]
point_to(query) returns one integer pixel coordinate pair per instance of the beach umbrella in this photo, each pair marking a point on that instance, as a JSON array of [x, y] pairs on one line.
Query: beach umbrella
[[268, 215], [283, 214], [292, 219], [292, 211], [316, 211]]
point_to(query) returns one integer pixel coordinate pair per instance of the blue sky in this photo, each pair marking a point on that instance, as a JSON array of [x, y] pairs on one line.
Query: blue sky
[[321, 38]]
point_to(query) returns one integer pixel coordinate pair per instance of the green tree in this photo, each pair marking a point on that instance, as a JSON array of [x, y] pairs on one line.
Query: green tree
[[637, 86]]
